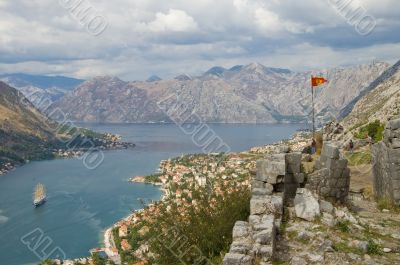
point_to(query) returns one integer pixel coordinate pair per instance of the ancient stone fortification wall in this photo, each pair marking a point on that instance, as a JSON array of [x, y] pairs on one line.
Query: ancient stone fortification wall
[[254, 241], [331, 180], [279, 183], [386, 163]]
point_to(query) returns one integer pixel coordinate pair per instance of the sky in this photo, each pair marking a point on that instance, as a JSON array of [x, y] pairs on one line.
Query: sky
[[134, 39]]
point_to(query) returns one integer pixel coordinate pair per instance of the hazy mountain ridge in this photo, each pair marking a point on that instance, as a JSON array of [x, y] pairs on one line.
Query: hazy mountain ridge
[[242, 94], [38, 87]]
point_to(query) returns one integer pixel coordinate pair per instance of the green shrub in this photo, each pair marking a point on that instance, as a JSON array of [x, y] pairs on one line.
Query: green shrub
[[374, 130], [373, 248], [343, 226], [203, 232], [385, 203]]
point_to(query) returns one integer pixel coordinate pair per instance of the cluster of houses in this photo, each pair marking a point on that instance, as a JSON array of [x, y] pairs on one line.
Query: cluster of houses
[[182, 176], [6, 167]]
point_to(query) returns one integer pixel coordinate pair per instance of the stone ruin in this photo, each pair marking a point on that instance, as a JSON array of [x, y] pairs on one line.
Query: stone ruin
[[386, 164], [279, 183], [331, 180]]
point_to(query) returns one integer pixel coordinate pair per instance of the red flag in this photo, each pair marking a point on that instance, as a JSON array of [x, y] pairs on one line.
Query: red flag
[[316, 81]]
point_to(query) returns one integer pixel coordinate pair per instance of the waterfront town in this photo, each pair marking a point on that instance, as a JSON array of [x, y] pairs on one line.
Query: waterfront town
[[200, 182]]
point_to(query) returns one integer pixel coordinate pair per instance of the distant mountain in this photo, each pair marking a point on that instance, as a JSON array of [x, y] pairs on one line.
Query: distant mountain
[[183, 77], [27, 134], [242, 94], [217, 71], [39, 87], [153, 78], [380, 100]]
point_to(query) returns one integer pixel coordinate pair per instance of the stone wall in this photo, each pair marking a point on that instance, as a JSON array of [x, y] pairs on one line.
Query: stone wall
[[331, 180], [279, 183], [275, 183], [386, 163]]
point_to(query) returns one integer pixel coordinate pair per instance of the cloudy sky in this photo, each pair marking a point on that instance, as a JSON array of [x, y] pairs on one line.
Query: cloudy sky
[[146, 37]]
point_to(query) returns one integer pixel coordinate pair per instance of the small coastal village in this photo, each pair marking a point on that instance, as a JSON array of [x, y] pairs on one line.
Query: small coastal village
[[106, 141], [361, 230]]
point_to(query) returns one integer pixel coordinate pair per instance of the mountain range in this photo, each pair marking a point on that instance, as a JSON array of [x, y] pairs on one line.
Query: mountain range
[[242, 94], [39, 87]]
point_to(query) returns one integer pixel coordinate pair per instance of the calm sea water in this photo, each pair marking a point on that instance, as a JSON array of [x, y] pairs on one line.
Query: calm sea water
[[82, 203]]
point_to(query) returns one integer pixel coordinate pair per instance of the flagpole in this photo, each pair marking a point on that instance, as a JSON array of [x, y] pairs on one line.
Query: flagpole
[[313, 109]]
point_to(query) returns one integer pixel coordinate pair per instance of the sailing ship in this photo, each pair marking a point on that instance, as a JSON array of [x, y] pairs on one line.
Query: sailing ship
[[39, 195]]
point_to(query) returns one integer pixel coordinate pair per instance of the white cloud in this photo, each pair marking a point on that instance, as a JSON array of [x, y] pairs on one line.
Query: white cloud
[[175, 20], [147, 37]]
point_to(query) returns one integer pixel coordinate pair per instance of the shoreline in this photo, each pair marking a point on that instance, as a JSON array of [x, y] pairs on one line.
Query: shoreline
[[299, 136], [65, 154]]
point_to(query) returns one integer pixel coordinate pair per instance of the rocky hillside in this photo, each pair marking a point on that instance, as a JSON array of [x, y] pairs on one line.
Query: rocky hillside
[[24, 132], [242, 94], [380, 102], [27, 134], [38, 87]]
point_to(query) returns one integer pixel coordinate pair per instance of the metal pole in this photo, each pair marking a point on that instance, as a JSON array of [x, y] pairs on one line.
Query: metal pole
[[313, 109]]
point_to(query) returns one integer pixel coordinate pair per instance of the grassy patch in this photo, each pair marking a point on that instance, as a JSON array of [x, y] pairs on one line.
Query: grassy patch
[[278, 261], [359, 158], [373, 248], [292, 234], [343, 226], [388, 204], [345, 248]]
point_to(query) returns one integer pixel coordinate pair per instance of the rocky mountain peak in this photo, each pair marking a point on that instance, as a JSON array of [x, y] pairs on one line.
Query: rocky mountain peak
[[216, 71], [153, 78], [183, 77]]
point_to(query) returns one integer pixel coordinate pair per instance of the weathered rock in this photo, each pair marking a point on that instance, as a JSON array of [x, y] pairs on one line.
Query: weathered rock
[[331, 180], [238, 247], [262, 191], [293, 163], [386, 164], [326, 207], [237, 259], [241, 230], [297, 261], [266, 205], [306, 205], [328, 219]]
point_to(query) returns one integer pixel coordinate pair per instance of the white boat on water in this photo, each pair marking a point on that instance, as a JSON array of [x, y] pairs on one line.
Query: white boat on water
[[39, 195]]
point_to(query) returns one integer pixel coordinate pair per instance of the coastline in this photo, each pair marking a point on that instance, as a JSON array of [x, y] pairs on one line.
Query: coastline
[[67, 154], [297, 142]]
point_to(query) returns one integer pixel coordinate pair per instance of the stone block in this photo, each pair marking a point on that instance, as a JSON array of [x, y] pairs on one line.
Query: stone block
[[241, 230], [326, 207], [266, 223], [306, 205], [293, 163], [254, 219], [260, 205], [264, 237], [330, 151], [237, 259], [257, 184], [279, 149], [300, 177], [395, 143], [394, 124], [261, 192], [239, 247]]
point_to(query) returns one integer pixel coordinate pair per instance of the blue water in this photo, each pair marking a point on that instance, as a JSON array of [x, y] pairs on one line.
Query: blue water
[[82, 202]]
